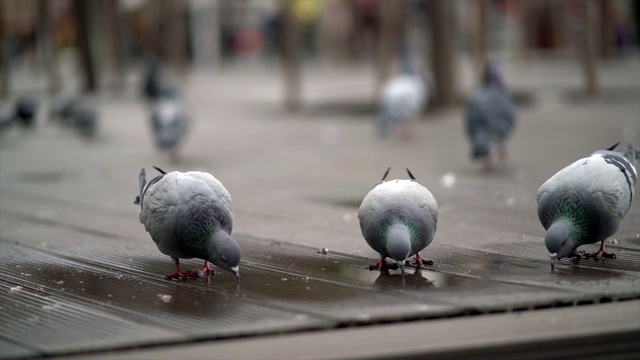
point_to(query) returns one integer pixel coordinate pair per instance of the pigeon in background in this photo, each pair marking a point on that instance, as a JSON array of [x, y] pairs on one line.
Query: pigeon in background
[[155, 83], [402, 100], [188, 215], [6, 118], [490, 118], [398, 218], [170, 124], [85, 117], [26, 110], [62, 108], [585, 202]]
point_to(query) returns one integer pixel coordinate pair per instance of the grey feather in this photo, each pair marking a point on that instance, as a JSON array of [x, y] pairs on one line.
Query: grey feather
[[189, 215], [490, 115], [398, 218], [585, 202]]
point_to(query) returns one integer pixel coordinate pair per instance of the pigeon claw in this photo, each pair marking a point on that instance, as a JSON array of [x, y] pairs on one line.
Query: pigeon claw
[[600, 254], [383, 265], [182, 275], [419, 261]]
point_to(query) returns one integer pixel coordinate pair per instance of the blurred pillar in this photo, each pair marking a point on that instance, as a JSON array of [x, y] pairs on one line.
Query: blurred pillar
[[589, 47], [82, 10], [291, 59], [174, 21], [482, 36], [608, 40], [4, 51], [112, 21], [46, 39], [392, 13], [440, 13]]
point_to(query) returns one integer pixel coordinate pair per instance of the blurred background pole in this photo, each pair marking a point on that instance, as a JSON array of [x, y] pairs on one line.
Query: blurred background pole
[[589, 47], [112, 23], [174, 42], [48, 46], [441, 19], [482, 36], [82, 11], [4, 51], [291, 58], [391, 13], [607, 11]]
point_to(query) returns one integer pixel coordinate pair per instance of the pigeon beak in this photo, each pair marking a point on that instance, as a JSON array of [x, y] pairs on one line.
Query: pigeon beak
[[236, 272], [554, 260]]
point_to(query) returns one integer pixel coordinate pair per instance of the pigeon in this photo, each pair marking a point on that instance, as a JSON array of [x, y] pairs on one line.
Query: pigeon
[[490, 118], [25, 111], [62, 108], [170, 124], [398, 219], [188, 215], [155, 84], [585, 202], [6, 119], [85, 117], [402, 101]]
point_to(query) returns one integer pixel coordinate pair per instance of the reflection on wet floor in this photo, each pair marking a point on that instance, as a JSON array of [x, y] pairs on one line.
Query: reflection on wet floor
[[284, 287]]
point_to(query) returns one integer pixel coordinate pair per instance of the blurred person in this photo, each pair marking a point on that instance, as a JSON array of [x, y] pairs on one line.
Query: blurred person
[[308, 14]]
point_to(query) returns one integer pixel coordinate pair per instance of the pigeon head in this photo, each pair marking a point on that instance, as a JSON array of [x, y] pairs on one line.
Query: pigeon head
[[399, 244], [224, 252], [559, 241]]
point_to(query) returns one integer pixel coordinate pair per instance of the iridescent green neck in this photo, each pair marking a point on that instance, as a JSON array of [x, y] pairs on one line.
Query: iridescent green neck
[[575, 214]]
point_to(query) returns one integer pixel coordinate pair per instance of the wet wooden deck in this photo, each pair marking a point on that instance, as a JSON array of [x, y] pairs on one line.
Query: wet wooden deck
[[79, 276]]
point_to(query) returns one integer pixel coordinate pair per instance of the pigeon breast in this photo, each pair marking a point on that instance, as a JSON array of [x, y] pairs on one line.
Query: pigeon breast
[[398, 201]]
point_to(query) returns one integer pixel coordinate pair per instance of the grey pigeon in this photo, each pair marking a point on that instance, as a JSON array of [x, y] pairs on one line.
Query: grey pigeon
[[26, 110], [188, 215], [86, 117], [62, 108], [170, 124], [155, 82], [402, 100], [6, 119], [398, 218], [490, 118], [585, 202]]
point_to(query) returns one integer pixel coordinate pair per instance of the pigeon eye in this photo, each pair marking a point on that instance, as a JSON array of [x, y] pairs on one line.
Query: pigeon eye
[[564, 242]]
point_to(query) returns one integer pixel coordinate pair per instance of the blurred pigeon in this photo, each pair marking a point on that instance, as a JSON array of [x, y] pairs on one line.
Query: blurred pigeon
[[398, 218], [62, 108], [6, 118], [585, 202], [170, 124], [490, 118], [155, 83], [402, 100], [189, 216], [25, 111], [85, 117]]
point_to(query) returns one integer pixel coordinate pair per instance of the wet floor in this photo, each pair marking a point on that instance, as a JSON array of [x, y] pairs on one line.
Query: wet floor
[[59, 296]]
